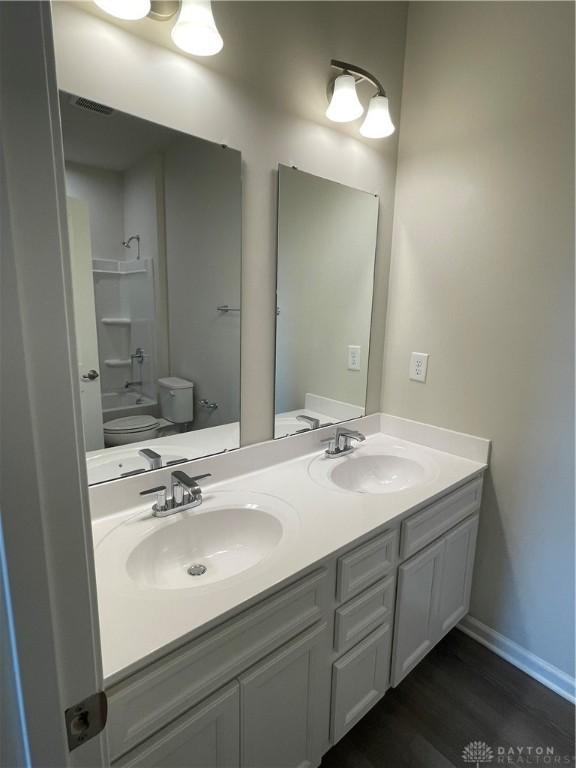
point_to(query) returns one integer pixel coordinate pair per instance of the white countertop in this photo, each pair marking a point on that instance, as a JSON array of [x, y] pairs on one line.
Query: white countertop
[[140, 624]]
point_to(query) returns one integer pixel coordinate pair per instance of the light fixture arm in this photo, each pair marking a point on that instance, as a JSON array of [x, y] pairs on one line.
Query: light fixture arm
[[359, 74], [163, 10]]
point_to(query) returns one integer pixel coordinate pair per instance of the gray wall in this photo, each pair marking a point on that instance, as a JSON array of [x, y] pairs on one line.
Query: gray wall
[[326, 247], [203, 193], [482, 278], [256, 109]]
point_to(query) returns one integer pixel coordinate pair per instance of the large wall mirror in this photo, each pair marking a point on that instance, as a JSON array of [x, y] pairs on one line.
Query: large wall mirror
[[326, 250], [155, 234]]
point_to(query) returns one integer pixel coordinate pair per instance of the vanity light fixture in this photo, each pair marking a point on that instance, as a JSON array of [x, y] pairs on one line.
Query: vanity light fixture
[[129, 10], [345, 105], [195, 30]]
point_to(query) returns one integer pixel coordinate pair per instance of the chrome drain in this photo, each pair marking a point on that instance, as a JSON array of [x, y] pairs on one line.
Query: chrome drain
[[197, 569]]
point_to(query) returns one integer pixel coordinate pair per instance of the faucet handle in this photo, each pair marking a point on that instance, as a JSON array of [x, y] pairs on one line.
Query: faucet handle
[[201, 477], [161, 504], [157, 489], [186, 481]]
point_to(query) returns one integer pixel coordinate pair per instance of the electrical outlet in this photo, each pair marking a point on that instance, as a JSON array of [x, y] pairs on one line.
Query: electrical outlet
[[418, 366], [353, 358]]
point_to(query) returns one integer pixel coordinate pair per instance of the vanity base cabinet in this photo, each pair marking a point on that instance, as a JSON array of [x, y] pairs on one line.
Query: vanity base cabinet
[[459, 551], [282, 703], [433, 595], [359, 679], [208, 735]]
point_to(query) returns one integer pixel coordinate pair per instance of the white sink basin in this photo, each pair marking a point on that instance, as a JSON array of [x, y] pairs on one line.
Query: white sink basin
[[224, 542], [374, 470], [224, 537]]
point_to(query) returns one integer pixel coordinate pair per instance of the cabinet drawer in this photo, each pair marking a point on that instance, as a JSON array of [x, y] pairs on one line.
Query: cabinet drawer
[[430, 523], [366, 564], [359, 679], [207, 735], [146, 702], [364, 613]]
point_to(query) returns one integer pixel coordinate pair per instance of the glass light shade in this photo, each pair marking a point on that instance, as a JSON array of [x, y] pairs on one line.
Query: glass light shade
[[130, 10], [195, 30], [344, 105], [377, 123]]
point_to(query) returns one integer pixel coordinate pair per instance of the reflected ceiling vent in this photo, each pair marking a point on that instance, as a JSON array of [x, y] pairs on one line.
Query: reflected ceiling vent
[[93, 106]]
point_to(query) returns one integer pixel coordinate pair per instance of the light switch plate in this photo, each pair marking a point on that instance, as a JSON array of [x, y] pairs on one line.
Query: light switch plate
[[418, 366], [353, 357]]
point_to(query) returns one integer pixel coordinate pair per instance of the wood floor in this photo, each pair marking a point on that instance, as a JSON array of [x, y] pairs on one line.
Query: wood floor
[[461, 692]]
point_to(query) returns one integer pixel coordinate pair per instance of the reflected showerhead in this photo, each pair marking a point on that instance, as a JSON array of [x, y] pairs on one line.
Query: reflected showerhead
[[126, 243]]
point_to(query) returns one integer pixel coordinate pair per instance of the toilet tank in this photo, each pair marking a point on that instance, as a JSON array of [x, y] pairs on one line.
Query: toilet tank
[[176, 399]]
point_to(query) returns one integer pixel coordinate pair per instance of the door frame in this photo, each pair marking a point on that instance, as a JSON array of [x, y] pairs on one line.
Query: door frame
[[44, 504]]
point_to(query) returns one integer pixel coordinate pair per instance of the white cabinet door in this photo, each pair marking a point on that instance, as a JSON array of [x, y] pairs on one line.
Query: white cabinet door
[[417, 599], [359, 679], [459, 549], [206, 737], [284, 705]]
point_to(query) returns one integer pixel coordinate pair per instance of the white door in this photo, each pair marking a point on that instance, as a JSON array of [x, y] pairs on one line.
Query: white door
[[85, 322], [47, 561]]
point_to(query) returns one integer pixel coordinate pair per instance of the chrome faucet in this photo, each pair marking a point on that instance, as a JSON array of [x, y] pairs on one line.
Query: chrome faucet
[[342, 442], [154, 459], [314, 423], [185, 494]]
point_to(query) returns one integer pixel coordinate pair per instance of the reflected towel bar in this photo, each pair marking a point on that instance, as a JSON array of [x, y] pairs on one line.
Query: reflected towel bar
[[227, 308]]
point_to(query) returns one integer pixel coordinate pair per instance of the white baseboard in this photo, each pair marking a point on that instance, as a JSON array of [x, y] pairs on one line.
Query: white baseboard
[[528, 662]]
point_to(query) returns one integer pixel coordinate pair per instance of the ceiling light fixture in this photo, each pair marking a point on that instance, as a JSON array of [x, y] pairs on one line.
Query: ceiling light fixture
[[195, 30], [345, 105]]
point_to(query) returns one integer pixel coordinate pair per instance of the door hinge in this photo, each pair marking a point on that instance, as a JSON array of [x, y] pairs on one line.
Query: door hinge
[[86, 719]]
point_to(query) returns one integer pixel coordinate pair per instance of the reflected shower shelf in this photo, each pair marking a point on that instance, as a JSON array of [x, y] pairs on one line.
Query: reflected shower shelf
[[118, 274]]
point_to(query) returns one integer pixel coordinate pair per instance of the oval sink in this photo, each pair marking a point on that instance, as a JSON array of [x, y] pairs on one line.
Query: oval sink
[[231, 533], [375, 468], [378, 474], [190, 551]]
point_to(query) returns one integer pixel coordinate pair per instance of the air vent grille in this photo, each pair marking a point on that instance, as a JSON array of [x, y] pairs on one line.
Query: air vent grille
[[93, 106]]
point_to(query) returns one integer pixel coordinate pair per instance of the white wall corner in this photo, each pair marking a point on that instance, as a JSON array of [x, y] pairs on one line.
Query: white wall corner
[[545, 673]]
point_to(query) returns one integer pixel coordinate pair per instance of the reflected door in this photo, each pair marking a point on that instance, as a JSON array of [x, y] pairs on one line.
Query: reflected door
[[85, 321]]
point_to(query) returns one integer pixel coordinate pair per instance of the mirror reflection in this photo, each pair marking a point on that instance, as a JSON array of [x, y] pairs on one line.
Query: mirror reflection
[[326, 251], [154, 219]]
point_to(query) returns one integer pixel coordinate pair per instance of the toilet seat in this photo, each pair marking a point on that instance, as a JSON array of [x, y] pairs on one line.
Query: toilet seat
[[130, 429], [131, 424]]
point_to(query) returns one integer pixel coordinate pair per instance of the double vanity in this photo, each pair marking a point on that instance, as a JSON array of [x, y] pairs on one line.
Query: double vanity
[[258, 623]]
